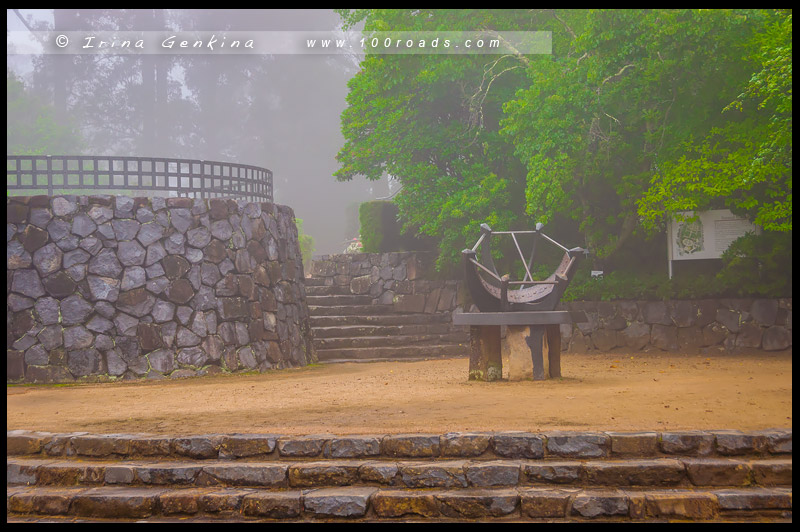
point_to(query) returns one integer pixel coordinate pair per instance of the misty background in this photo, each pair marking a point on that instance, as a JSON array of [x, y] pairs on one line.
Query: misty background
[[280, 112]]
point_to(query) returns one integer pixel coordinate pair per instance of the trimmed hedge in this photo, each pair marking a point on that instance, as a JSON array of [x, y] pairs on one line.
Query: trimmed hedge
[[380, 230]]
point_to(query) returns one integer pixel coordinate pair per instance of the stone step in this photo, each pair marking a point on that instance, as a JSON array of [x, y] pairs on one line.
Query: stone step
[[446, 473], [349, 310], [385, 319], [328, 290], [390, 341], [337, 300], [314, 281], [372, 360], [552, 445], [348, 331], [370, 503], [394, 352]]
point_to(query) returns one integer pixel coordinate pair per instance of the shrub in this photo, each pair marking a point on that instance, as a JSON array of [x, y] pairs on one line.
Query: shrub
[[753, 266], [380, 230], [758, 265], [306, 245]]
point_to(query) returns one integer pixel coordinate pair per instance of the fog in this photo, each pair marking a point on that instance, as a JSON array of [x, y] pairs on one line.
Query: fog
[[279, 112]]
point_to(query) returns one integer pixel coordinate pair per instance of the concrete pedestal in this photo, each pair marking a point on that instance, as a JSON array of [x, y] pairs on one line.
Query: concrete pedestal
[[517, 359], [534, 336]]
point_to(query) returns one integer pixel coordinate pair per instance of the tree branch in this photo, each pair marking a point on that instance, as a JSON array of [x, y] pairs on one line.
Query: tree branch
[[477, 99], [31, 30], [564, 24], [618, 74], [508, 45]]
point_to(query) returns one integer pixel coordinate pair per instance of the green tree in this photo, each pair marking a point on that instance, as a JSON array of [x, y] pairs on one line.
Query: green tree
[[595, 123], [32, 126], [746, 161], [428, 121], [306, 245], [576, 136]]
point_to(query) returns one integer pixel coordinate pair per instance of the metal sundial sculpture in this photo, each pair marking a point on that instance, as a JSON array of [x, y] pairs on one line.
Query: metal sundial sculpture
[[493, 294]]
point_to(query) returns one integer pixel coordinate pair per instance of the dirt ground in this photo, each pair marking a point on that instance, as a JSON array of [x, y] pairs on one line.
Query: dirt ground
[[622, 391]]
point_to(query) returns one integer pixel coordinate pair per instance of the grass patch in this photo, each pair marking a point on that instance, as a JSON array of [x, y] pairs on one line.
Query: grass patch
[[47, 384]]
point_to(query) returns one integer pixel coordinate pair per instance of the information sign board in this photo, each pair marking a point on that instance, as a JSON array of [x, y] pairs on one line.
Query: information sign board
[[705, 236]]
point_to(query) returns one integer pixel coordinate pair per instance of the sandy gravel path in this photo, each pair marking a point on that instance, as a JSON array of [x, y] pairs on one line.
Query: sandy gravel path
[[622, 391]]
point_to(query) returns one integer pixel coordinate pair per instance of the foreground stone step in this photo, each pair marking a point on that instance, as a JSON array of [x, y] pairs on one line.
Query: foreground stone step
[[391, 341], [373, 503], [727, 518], [349, 331], [662, 472], [386, 319], [337, 300], [394, 353], [589, 445]]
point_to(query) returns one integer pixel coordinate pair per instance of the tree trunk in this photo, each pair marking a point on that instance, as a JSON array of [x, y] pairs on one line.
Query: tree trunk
[[148, 142], [63, 20], [163, 63]]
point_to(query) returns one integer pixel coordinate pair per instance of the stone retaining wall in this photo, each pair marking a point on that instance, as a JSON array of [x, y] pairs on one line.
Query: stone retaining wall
[[110, 287], [699, 326], [696, 326], [396, 279]]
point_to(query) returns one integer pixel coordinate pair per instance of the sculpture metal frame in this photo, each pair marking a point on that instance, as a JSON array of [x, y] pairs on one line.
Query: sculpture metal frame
[[532, 306], [495, 294]]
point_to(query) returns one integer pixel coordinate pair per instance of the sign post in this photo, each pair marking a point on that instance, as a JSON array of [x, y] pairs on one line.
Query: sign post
[[704, 236]]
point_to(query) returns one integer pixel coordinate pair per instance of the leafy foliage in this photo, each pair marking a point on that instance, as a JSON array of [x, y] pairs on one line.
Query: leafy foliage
[[745, 161], [33, 127], [758, 264], [306, 245], [753, 266], [581, 132], [597, 121], [407, 117], [625, 123], [380, 231]]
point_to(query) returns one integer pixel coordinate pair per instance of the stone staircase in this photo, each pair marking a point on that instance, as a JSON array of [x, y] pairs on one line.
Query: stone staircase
[[350, 327], [498, 477]]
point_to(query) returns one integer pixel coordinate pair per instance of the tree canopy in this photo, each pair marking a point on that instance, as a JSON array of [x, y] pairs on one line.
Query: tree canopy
[[745, 159], [275, 111], [33, 127], [635, 116]]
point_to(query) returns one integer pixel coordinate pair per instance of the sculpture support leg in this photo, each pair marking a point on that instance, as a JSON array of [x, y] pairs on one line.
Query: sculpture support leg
[[485, 361], [535, 342], [554, 350]]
